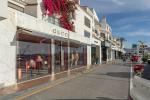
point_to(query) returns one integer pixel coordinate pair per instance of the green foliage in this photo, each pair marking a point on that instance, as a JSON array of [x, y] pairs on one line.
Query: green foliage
[[145, 58]]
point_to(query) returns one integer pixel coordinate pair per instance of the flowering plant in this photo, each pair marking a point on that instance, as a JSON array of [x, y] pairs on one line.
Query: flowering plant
[[64, 8]]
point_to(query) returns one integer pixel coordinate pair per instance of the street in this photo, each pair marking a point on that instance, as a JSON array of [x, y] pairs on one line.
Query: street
[[110, 82]]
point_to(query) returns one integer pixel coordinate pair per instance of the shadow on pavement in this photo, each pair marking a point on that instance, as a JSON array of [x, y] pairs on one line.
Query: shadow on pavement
[[119, 74], [97, 98], [105, 98]]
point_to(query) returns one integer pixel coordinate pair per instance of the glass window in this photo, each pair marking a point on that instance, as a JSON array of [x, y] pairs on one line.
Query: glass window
[[53, 20], [87, 22], [33, 58], [78, 55], [61, 56], [87, 34]]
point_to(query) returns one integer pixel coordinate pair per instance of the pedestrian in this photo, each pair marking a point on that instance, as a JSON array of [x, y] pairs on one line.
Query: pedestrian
[[146, 71]]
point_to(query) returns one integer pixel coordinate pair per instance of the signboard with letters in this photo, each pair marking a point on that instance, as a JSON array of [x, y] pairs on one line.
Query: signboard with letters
[[59, 32]]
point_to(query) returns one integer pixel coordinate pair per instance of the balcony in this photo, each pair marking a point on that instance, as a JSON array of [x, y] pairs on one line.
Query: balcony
[[106, 44], [3, 9], [40, 26]]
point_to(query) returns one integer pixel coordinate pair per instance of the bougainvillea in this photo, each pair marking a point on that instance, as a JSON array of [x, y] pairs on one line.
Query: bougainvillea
[[64, 8]]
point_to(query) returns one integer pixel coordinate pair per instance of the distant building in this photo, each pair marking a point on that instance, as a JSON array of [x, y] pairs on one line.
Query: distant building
[[134, 45]]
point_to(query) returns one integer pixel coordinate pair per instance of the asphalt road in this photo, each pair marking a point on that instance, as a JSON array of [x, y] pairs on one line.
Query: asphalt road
[[109, 82]]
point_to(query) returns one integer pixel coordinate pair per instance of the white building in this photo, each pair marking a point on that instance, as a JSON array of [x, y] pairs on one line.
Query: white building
[[112, 47], [33, 46]]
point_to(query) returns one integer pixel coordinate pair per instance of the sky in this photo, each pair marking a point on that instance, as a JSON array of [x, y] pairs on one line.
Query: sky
[[128, 18]]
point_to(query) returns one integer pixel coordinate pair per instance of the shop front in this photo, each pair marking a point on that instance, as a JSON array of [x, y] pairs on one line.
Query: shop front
[[95, 51], [39, 56], [33, 57], [78, 55], [105, 46]]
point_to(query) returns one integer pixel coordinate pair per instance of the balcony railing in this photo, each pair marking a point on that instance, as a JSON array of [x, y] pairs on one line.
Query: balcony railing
[[29, 22]]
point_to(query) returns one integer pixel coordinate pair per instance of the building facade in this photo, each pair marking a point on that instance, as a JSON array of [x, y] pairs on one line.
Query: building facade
[[112, 47], [34, 44]]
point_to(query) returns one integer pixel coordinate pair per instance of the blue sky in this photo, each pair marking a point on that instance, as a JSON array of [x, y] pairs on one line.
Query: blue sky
[[128, 18]]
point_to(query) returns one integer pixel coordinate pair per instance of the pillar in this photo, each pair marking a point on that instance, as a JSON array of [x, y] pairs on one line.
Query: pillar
[[100, 54], [53, 58], [111, 54], [62, 55], [88, 56], [69, 58], [107, 56]]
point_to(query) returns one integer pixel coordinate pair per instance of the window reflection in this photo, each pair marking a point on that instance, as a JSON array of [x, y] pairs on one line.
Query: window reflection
[[33, 58], [78, 55], [61, 56]]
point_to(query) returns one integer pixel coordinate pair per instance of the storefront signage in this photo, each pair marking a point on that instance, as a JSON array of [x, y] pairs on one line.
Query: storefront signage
[[95, 42], [59, 32]]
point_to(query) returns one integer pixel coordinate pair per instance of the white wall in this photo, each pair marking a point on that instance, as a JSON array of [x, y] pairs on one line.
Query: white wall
[[79, 22], [8, 51], [3, 9]]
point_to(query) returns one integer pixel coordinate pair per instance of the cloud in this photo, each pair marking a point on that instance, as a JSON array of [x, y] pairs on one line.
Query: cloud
[[133, 19], [118, 2], [125, 27], [140, 32], [117, 6]]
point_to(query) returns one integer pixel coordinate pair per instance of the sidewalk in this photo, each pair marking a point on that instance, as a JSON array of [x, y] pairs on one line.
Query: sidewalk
[[11, 92], [110, 82], [103, 82]]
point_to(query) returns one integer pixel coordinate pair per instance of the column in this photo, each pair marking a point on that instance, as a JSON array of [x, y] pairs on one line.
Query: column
[[62, 55], [88, 56], [69, 58], [100, 54], [53, 58], [107, 56], [111, 54]]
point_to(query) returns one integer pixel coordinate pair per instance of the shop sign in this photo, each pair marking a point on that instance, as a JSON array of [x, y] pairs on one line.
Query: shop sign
[[96, 42], [59, 32]]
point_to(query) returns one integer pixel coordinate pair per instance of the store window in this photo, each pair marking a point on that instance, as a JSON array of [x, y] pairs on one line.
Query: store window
[[61, 56], [33, 57], [78, 55]]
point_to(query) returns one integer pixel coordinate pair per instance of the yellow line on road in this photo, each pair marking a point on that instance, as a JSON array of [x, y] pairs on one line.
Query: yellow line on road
[[40, 90]]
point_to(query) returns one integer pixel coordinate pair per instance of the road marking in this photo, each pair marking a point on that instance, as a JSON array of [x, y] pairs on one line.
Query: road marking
[[42, 89], [131, 76], [50, 86]]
